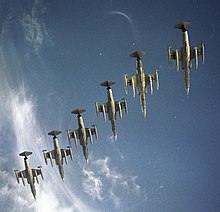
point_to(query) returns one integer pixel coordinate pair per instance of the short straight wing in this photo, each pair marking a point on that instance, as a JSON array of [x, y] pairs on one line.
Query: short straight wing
[[101, 109], [132, 80], [22, 174], [36, 172], [66, 152], [176, 54], [50, 153]]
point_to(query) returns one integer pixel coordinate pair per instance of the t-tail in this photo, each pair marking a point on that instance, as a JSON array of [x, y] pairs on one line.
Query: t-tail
[[182, 26], [25, 153], [137, 54], [54, 133], [78, 111], [107, 83]]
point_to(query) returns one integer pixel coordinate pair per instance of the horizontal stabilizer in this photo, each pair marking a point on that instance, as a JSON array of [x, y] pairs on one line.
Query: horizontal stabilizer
[[137, 54], [78, 111], [54, 132], [183, 25], [25, 153], [107, 83]]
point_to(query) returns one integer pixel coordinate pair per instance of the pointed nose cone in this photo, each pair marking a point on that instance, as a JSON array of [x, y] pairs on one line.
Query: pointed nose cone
[[187, 91], [33, 190], [62, 176], [61, 171], [145, 114]]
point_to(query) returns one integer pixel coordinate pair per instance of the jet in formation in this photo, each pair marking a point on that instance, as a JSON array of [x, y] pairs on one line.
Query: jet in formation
[[29, 173], [57, 154], [186, 54], [111, 107], [82, 133], [140, 81]]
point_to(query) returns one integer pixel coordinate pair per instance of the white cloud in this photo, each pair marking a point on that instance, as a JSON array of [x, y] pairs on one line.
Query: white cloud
[[24, 120], [51, 196], [35, 31], [48, 201], [128, 182], [92, 185], [114, 198], [9, 191], [111, 139], [103, 181]]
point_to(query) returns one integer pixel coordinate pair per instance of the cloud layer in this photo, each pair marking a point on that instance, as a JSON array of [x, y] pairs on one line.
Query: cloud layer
[[35, 31], [104, 183]]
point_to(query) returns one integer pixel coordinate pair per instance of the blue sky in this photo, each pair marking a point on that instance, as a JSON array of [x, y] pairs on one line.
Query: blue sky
[[53, 55]]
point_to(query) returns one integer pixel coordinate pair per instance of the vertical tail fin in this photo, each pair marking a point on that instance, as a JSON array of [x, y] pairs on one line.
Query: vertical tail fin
[[183, 26], [25, 153]]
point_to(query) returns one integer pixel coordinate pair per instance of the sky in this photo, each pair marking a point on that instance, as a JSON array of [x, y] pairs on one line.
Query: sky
[[54, 55]]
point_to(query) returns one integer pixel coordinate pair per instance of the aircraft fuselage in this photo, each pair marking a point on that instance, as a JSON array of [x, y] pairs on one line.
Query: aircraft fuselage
[[185, 51], [57, 152], [58, 157], [82, 131], [111, 104], [112, 111], [186, 60], [141, 85], [28, 171], [83, 137], [29, 175]]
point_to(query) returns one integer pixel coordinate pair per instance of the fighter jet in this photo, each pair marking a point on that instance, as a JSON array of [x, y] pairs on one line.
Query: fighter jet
[[82, 133], [111, 107], [57, 154], [186, 53], [140, 81], [29, 173]]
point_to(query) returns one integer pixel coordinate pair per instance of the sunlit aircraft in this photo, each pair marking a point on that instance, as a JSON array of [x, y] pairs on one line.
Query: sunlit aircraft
[[29, 173], [57, 154], [111, 107], [82, 133], [140, 81], [185, 54]]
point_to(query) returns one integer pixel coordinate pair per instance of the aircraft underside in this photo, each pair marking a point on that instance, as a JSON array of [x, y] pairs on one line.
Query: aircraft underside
[[187, 79], [85, 152], [113, 123], [61, 171], [143, 103], [33, 190]]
